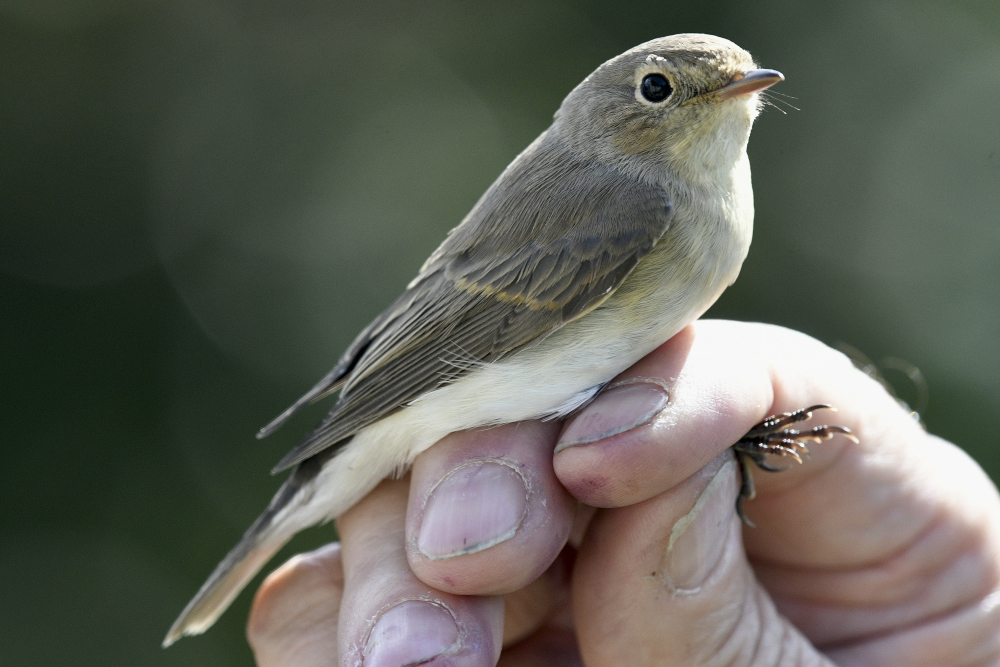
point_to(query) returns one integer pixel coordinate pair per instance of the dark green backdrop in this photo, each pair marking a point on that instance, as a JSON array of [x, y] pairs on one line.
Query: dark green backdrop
[[202, 201]]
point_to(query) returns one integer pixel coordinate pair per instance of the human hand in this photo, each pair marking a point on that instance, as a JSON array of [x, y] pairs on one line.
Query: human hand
[[883, 552], [392, 617]]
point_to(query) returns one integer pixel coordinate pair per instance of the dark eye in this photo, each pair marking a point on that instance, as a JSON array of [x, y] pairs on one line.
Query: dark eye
[[655, 88]]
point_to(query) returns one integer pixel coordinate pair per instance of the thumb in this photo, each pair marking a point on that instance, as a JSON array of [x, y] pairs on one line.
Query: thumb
[[667, 582]]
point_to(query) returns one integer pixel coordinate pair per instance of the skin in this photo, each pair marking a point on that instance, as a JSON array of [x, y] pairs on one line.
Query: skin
[[882, 552]]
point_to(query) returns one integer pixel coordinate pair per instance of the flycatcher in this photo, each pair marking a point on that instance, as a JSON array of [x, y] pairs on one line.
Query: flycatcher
[[616, 228]]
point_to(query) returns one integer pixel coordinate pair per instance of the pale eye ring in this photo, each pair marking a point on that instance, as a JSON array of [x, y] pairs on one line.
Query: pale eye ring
[[655, 87]]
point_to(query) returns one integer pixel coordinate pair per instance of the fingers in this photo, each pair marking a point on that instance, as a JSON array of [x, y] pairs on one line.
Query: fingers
[[859, 541], [388, 616], [540, 602], [724, 377], [486, 513], [293, 620], [949, 568], [666, 582], [295, 614], [662, 420], [970, 636]]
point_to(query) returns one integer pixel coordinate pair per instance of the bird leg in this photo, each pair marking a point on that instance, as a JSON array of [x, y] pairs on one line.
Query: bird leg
[[773, 437]]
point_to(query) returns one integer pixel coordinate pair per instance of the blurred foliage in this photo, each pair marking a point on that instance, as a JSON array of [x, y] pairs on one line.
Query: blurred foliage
[[202, 202]]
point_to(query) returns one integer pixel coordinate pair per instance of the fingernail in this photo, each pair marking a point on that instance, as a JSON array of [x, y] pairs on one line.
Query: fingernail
[[698, 539], [410, 633], [616, 410], [474, 507]]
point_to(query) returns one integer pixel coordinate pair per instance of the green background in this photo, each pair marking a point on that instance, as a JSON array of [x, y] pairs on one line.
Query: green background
[[201, 202]]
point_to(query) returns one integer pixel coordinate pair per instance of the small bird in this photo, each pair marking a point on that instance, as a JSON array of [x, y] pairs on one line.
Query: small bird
[[616, 228]]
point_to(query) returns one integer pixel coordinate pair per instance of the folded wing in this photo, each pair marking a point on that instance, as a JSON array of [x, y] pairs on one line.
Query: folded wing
[[547, 243]]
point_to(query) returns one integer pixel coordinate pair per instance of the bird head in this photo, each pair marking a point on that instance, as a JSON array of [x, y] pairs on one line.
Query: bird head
[[679, 106]]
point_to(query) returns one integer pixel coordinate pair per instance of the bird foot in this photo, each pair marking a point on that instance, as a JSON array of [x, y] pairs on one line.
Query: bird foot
[[772, 437]]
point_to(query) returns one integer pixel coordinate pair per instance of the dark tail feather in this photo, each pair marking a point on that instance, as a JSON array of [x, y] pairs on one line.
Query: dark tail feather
[[261, 541]]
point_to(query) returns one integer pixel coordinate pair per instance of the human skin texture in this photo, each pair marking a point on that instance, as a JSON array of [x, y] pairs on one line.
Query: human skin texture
[[885, 551]]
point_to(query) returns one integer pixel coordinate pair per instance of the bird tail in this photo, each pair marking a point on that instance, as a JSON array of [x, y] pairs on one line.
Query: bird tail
[[263, 539]]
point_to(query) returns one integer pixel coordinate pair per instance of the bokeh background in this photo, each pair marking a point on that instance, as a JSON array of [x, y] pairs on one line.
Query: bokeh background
[[202, 201]]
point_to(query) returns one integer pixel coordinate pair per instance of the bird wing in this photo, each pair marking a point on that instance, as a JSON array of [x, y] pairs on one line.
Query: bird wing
[[550, 240]]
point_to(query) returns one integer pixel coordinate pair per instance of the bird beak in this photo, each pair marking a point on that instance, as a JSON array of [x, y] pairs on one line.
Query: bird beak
[[753, 81]]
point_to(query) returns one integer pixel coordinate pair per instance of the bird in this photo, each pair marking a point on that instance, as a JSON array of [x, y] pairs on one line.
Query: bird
[[612, 231]]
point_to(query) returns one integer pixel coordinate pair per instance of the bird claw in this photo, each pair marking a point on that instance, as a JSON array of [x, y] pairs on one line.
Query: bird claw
[[772, 437]]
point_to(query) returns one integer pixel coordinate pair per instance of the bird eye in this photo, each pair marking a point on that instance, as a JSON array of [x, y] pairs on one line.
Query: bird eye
[[655, 88]]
